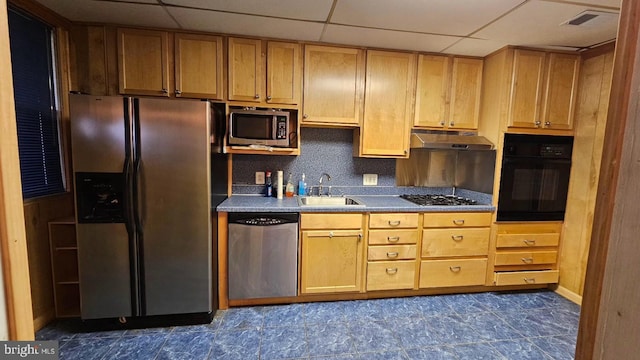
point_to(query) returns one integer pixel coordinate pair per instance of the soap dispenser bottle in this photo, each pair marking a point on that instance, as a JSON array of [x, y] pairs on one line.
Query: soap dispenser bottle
[[302, 186]]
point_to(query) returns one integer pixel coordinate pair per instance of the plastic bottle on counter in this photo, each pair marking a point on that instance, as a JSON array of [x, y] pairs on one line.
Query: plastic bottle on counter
[[302, 186], [268, 187], [289, 190]]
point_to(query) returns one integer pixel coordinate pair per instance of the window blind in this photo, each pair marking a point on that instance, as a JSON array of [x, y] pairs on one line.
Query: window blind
[[36, 113]]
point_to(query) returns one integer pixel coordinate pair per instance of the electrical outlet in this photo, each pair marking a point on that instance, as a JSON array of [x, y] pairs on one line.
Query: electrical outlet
[[370, 179], [259, 177]]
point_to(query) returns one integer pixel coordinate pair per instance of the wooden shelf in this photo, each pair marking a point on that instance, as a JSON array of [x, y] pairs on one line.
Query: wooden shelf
[[64, 267]]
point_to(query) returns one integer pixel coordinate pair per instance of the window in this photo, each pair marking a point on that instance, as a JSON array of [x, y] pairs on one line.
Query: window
[[34, 87]]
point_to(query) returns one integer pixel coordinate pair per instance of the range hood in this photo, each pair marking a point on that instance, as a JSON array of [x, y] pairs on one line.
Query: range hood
[[449, 141]]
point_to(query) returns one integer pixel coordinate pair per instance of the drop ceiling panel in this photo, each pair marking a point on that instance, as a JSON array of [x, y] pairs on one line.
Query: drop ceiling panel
[[474, 47], [537, 23], [433, 16], [112, 12], [220, 22], [317, 10], [350, 35]]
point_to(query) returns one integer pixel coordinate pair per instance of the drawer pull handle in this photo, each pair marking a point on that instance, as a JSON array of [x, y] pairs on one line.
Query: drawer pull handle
[[530, 280], [459, 222], [529, 242], [455, 269], [392, 254], [457, 237], [394, 223], [527, 260], [392, 271], [393, 238]]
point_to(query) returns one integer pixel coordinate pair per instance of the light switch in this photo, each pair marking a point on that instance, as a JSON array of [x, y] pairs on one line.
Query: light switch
[[259, 177], [370, 179]]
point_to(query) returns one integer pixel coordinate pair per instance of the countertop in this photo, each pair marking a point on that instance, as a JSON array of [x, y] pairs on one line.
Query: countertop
[[377, 203]]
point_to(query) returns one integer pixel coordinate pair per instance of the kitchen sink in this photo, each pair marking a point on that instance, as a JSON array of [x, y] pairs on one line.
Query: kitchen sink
[[328, 201]]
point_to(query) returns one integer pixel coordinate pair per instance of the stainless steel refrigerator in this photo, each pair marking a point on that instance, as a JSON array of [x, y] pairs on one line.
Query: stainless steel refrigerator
[[143, 206]]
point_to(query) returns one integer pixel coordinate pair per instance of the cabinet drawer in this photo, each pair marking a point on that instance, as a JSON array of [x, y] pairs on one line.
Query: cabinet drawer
[[527, 240], [443, 273], [386, 275], [526, 257], [456, 220], [331, 221], [390, 237], [526, 277], [393, 221], [455, 242], [392, 252]]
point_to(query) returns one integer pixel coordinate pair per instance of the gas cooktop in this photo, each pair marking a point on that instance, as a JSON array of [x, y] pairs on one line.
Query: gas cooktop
[[439, 200]]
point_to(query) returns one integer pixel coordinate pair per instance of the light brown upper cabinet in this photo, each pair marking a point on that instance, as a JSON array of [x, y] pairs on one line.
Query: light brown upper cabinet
[[143, 59], [199, 66], [248, 65], [333, 86], [388, 104], [448, 92], [543, 90]]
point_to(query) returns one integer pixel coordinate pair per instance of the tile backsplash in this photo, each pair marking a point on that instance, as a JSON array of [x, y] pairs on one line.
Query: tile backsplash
[[322, 150]]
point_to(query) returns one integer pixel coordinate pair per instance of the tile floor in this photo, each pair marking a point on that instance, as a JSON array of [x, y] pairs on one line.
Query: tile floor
[[521, 325]]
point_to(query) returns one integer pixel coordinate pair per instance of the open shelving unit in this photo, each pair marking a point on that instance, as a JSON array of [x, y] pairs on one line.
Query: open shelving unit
[[64, 267]]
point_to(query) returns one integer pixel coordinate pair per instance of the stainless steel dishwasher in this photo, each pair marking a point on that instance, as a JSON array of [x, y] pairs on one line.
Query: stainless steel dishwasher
[[263, 255]]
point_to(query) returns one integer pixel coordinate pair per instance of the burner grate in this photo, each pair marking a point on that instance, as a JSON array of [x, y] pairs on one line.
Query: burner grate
[[439, 200]]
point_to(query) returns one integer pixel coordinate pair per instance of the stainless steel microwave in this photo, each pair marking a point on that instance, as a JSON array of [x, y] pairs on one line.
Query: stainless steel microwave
[[259, 127]]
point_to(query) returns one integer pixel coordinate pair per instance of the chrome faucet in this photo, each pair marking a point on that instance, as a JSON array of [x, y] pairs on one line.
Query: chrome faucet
[[320, 182]]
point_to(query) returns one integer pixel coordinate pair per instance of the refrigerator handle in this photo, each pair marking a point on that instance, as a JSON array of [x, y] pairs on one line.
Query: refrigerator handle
[[137, 169]]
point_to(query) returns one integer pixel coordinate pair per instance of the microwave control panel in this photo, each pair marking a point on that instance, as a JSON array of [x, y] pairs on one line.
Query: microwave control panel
[[281, 131]]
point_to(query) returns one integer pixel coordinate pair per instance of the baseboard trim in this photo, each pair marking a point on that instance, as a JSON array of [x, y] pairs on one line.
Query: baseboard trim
[[569, 295]]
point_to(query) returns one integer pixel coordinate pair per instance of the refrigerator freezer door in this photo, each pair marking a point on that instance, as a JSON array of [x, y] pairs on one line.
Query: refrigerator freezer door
[[98, 132], [174, 206], [103, 259]]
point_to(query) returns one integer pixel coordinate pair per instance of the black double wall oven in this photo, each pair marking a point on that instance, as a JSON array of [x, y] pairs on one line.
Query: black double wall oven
[[535, 177]]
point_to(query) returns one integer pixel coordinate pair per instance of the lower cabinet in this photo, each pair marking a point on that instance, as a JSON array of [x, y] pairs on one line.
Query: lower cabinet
[[64, 267], [332, 253], [455, 248], [391, 251], [526, 253]]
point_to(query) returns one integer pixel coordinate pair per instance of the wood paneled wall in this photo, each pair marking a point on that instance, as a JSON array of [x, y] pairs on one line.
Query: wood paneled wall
[[590, 123]]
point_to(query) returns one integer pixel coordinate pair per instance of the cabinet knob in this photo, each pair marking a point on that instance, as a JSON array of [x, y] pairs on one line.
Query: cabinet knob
[[442, 123], [178, 92], [451, 123], [537, 123], [305, 116], [165, 91], [268, 98], [257, 96], [547, 123]]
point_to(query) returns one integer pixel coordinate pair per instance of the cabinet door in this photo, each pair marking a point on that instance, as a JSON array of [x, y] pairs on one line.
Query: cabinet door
[[284, 71], [432, 91], [562, 83], [333, 85], [526, 89], [466, 84], [331, 261], [198, 66], [143, 59], [245, 70], [389, 91]]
